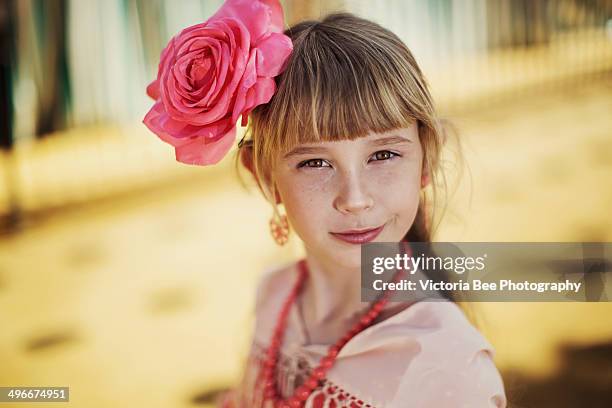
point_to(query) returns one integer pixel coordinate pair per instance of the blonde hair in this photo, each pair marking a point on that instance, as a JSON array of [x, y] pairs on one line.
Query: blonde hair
[[346, 77]]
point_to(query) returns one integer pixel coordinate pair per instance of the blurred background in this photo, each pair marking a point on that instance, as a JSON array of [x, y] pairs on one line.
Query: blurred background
[[130, 277]]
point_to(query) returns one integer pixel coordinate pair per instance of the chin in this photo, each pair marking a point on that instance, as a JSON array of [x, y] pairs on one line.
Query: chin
[[348, 258]]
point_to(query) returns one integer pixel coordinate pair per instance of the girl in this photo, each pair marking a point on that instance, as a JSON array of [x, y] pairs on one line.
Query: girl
[[347, 141]]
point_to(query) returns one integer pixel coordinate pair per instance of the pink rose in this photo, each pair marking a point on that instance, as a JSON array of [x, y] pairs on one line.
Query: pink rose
[[211, 73]]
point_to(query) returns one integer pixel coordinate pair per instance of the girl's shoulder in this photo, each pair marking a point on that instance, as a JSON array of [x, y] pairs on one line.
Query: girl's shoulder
[[454, 366], [272, 289], [428, 355], [274, 284]]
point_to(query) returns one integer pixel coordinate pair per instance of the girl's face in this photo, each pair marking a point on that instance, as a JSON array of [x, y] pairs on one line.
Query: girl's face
[[334, 187]]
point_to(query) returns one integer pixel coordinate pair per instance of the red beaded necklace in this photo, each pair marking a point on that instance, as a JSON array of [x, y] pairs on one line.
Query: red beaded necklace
[[302, 393]]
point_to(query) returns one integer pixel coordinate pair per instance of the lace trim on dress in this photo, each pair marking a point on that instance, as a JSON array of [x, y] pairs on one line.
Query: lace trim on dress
[[291, 372]]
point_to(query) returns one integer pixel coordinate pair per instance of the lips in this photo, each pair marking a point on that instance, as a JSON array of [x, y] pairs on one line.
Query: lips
[[358, 237]]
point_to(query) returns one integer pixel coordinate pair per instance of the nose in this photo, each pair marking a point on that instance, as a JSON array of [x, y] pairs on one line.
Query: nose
[[353, 195]]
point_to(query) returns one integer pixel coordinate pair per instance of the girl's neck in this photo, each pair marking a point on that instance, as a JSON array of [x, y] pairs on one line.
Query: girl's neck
[[330, 301], [332, 292]]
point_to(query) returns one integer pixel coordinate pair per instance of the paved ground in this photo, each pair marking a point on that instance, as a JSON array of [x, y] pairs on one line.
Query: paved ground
[[144, 300]]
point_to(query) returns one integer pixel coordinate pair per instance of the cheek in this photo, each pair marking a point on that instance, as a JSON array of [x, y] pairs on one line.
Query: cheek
[[304, 202], [398, 190], [400, 180]]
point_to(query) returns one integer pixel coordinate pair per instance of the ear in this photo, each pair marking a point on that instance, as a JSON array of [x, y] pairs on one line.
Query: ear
[[246, 158], [425, 177]]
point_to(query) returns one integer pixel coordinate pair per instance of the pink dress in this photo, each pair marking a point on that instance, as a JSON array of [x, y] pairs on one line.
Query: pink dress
[[427, 355]]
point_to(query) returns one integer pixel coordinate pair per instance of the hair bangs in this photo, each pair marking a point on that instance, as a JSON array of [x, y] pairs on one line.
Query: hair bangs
[[336, 86], [335, 93]]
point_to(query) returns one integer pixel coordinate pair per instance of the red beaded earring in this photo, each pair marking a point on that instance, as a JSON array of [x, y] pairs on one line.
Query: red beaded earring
[[279, 228]]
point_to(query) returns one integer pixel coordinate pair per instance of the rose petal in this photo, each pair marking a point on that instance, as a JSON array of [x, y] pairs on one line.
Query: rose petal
[[277, 24], [188, 71], [260, 17], [248, 80], [222, 70], [273, 52], [205, 88], [204, 152], [177, 133], [176, 107], [262, 92], [179, 73], [181, 107], [228, 61], [153, 90], [152, 120], [183, 130]]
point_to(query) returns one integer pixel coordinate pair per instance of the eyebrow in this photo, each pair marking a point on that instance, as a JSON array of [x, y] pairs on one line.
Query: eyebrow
[[384, 141], [389, 140]]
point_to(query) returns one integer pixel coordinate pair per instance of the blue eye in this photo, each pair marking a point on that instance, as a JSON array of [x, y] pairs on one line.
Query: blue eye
[[390, 155]]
